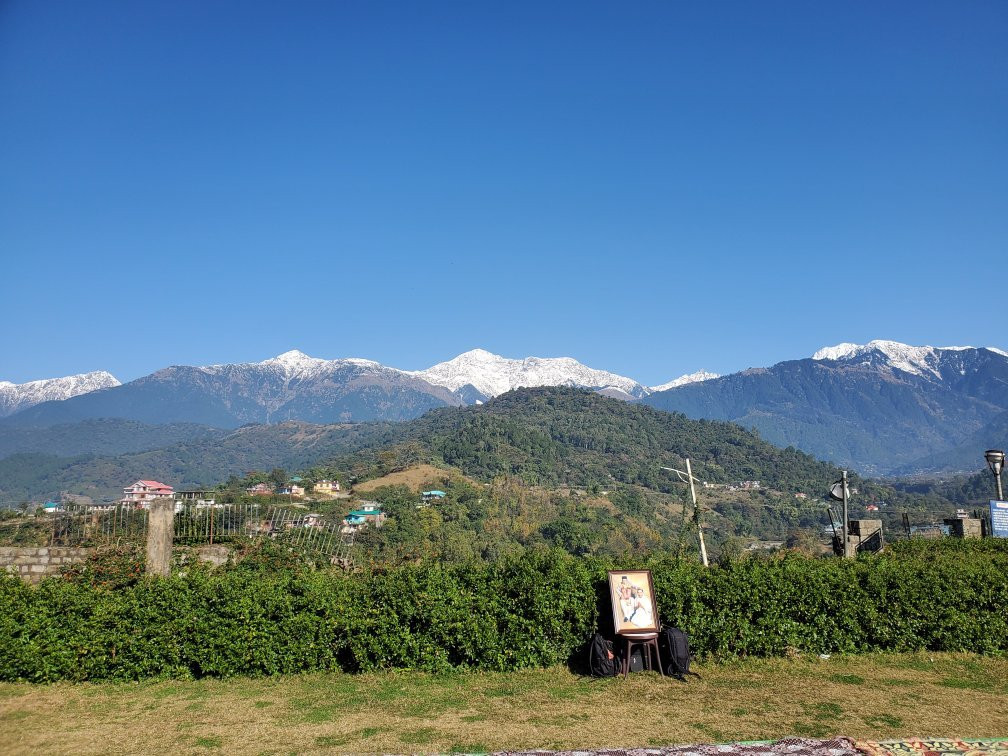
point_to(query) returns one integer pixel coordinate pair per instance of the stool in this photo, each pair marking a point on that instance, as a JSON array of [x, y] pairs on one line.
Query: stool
[[650, 643]]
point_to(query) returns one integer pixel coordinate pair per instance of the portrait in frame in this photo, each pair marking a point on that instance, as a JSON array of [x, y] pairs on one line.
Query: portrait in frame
[[633, 601]]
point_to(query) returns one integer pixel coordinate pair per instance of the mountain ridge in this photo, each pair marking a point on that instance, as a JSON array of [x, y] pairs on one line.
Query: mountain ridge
[[884, 407], [878, 406], [15, 397], [295, 385]]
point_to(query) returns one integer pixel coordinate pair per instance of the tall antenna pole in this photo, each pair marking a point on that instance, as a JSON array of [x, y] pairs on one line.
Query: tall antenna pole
[[696, 513]]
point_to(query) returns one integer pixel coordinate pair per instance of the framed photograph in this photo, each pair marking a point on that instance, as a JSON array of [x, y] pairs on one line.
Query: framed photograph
[[633, 601]]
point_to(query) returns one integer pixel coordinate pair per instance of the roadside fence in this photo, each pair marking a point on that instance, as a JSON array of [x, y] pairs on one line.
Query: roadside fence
[[201, 522]]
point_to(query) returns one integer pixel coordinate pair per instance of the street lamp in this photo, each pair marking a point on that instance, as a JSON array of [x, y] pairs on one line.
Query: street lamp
[[995, 461], [840, 492]]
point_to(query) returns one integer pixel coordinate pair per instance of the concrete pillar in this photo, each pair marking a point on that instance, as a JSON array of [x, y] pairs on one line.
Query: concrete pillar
[[160, 532]]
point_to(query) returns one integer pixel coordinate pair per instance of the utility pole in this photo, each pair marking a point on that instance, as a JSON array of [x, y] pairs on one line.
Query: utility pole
[[696, 513], [688, 477]]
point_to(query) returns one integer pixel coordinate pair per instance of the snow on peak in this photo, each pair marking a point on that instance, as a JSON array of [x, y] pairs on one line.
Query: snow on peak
[[918, 360], [289, 364], [838, 352], [492, 374], [294, 364], [18, 396], [294, 361], [697, 377], [910, 359]]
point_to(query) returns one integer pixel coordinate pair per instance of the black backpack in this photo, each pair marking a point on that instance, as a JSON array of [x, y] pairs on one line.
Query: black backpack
[[675, 652], [601, 657]]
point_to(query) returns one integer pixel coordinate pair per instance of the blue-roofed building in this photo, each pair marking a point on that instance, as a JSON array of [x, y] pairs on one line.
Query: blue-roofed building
[[429, 495], [367, 513]]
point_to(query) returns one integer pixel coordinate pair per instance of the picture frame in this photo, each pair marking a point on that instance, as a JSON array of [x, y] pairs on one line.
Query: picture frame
[[634, 607]]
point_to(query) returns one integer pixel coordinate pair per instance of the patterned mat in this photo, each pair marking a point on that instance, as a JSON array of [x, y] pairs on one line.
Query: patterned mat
[[934, 747], [805, 747], [786, 747]]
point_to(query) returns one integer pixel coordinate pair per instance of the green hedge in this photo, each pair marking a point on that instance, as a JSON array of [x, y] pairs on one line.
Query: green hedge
[[533, 611]]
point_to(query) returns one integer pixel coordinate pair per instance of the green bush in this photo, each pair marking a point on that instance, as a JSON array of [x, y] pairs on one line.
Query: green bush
[[108, 567], [531, 611]]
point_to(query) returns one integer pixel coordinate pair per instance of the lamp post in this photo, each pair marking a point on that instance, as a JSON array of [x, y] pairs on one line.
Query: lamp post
[[840, 492], [995, 461]]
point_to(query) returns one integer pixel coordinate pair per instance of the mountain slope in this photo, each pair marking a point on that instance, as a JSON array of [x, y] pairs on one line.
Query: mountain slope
[[292, 385], [964, 458], [878, 406], [15, 397], [196, 463], [99, 436], [555, 436]]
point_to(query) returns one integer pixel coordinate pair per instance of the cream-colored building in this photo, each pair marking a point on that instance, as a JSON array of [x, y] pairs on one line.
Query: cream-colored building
[[326, 487]]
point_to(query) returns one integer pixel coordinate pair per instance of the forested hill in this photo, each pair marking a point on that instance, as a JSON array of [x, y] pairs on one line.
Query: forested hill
[[545, 436], [564, 436]]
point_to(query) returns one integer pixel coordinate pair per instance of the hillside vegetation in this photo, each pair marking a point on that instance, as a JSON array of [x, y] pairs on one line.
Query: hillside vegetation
[[568, 468]]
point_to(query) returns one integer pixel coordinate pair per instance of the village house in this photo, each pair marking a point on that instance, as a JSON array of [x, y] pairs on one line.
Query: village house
[[292, 489], [260, 489], [200, 499], [367, 513], [430, 497], [326, 487], [143, 492]]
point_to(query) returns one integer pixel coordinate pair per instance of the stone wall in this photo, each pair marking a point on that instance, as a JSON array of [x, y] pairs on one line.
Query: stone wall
[[216, 555], [33, 563]]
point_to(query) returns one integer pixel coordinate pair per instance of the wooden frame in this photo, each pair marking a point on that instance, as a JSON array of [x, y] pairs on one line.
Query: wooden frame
[[633, 601]]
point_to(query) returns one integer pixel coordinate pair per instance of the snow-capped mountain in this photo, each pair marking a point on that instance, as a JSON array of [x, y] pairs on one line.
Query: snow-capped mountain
[[15, 397], [491, 375], [879, 406], [924, 361], [290, 386], [682, 380], [296, 365]]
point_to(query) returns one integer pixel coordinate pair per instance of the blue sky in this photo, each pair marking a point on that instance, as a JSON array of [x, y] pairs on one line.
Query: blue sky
[[650, 187]]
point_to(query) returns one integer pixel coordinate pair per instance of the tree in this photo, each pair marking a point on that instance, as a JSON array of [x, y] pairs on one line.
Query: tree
[[278, 477]]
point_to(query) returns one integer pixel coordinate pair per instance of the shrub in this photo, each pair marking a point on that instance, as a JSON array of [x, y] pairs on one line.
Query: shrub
[[108, 567], [534, 610]]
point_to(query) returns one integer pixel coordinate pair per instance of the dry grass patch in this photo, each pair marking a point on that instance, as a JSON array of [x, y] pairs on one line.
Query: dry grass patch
[[877, 696], [417, 479]]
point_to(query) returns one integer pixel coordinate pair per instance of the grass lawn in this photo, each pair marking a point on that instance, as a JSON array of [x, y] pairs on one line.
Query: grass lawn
[[875, 696]]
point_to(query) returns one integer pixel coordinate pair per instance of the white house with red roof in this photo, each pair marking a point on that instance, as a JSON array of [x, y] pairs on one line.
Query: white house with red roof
[[141, 493]]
